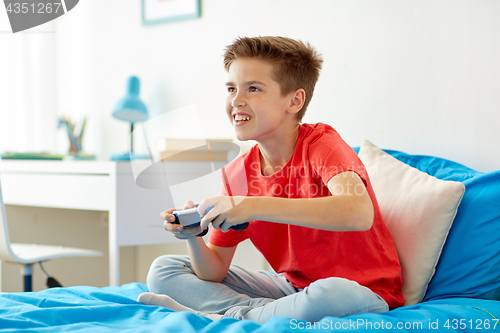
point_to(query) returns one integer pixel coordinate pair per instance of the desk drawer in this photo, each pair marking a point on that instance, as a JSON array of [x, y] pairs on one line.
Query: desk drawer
[[88, 192]]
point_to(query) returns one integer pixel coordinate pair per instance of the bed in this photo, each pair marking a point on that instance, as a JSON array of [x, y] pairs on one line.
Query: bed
[[460, 290]]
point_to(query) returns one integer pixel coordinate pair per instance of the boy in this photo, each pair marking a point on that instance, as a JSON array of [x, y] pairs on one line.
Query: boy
[[312, 208]]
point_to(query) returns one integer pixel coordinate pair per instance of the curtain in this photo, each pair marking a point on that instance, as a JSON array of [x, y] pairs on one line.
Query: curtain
[[28, 119]]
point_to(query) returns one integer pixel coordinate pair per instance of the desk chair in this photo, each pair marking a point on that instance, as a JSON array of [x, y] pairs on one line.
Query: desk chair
[[29, 254]]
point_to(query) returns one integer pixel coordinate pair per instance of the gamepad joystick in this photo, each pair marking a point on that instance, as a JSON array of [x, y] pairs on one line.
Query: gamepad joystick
[[191, 218]]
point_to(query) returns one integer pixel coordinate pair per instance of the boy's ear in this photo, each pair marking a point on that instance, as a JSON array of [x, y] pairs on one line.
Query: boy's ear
[[297, 100]]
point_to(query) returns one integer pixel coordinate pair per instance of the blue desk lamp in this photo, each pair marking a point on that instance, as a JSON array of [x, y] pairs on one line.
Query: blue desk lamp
[[130, 108]]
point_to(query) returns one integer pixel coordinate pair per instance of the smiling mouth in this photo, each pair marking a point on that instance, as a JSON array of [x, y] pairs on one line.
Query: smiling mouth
[[240, 119]]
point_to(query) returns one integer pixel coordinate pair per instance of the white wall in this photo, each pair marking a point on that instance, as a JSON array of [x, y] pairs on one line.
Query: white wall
[[417, 76]]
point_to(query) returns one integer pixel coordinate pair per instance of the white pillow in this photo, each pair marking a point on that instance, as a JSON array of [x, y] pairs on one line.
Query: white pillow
[[418, 210]]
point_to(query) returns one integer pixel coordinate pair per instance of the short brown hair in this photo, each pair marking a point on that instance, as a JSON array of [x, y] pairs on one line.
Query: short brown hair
[[298, 64]]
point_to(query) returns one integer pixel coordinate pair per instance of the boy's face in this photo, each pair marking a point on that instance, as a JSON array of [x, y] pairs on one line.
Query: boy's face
[[254, 104]]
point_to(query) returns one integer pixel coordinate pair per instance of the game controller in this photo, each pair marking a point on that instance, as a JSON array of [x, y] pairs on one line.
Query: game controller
[[191, 218]]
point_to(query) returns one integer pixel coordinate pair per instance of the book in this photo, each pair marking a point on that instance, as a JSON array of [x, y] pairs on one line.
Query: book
[[31, 156], [46, 156], [165, 144], [194, 149], [192, 156]]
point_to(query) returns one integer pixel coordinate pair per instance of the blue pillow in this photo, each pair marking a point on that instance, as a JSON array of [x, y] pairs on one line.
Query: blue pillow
[[469, 265]]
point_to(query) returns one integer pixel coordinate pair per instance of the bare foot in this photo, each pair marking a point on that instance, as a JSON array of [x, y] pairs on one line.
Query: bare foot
[[165, 301]]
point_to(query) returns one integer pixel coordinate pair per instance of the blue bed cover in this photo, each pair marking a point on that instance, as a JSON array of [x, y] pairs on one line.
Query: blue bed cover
[[114, 309]]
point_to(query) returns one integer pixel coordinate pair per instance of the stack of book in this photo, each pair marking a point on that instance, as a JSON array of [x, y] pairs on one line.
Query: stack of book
[[194, 149]]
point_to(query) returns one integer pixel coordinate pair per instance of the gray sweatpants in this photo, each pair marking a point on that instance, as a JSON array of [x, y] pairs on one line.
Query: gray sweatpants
[[259, 295]]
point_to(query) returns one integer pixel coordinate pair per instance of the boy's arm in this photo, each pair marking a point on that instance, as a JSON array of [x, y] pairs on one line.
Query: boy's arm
[[210, 262], [349, 208]]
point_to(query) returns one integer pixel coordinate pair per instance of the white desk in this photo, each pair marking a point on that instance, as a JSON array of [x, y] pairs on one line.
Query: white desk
[[99, 186]]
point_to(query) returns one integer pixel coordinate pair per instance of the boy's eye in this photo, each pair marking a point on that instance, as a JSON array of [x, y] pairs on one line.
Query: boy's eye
[[231, 89], [254, 89]]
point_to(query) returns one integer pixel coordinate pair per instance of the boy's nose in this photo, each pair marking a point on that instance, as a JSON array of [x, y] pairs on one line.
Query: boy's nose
[[238, 101]]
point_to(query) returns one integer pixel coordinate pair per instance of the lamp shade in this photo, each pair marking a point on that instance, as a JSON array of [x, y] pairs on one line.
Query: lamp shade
[[131, 108]]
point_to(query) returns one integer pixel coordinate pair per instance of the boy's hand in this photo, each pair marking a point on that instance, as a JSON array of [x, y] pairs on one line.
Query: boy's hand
[[178, 230], [227, 212]]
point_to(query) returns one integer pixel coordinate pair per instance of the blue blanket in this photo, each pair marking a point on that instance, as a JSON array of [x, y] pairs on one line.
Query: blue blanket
[[114, 309]]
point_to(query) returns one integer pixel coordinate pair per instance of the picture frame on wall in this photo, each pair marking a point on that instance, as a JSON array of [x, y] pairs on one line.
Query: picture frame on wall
[[165, 11]]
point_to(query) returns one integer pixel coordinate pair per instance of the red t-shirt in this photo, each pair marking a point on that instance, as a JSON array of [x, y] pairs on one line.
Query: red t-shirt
[[304, 255]]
